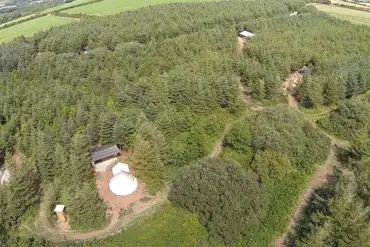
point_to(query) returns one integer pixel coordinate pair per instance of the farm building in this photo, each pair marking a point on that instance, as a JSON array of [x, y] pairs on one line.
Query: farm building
[[246, 34], [105, 157]]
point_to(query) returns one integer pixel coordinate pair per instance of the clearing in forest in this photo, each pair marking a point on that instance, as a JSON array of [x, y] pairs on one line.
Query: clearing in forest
[[121, 210], [290, 83], [241, 43]]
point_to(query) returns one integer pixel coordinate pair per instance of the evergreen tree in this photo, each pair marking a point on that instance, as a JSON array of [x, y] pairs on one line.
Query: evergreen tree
[[45, 156], [79, 167], [149, 146], [23, 192], [106, 128]]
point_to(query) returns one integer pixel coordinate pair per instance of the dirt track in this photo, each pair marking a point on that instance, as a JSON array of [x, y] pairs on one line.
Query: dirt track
[[115, 226], [323, 173]]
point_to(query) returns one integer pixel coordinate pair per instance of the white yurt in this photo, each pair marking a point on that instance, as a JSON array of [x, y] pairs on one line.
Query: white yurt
[[123, 184], [120, 167]]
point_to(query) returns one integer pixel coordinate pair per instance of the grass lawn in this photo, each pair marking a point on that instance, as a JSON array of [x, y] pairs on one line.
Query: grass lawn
[[354, 16], [168, 226], [29, 28], [109, 7]]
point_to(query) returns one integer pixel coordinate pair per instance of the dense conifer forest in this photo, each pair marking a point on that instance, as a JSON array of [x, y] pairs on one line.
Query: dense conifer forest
[[163, 82]]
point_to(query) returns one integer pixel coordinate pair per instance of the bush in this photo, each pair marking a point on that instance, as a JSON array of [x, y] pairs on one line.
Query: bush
[[229, 201]]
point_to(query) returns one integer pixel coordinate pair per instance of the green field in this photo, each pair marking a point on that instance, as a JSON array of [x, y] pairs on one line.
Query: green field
[[354, 16], [349, 3], [62, 6], [29, 28], [18, 19], [168, 226], [109, 7], [66, 5]]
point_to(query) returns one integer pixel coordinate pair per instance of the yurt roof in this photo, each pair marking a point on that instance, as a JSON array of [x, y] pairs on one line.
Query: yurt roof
[[123, 184], [120, 167]]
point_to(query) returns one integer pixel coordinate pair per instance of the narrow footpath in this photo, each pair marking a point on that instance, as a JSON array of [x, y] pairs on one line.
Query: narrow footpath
[[323, 172], [117, 222]]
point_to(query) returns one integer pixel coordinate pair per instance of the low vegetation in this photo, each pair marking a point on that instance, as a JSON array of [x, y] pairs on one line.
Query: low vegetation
[[228, 201], [338, 213], [164, 82], [169, 226]]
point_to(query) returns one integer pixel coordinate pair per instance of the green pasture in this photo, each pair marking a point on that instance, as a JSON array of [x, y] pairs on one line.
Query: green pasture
[[16, 20], [110, 7], [66, 5], [354, 16], [29, 28]]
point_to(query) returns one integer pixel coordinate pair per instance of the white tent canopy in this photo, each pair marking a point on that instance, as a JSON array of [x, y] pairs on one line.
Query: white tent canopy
[[123, 184], [120, 167]]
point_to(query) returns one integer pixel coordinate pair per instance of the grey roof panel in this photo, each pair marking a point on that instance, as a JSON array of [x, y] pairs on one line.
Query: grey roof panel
[[104, 152]]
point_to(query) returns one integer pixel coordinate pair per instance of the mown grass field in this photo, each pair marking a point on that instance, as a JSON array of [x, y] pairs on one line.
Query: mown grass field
[[29, 28], [354, 16], [110, 7]]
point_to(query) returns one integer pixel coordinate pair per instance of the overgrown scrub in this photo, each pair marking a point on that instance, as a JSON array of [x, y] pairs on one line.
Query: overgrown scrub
[[228, 201], [350, 120], [336, 215], [276, 142]]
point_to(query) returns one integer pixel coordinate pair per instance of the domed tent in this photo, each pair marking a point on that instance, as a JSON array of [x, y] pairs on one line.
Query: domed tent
[[120, 167], [123, 184]]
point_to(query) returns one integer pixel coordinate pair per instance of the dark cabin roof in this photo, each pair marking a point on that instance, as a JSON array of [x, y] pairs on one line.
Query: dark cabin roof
[[105, 151], [305, 70]]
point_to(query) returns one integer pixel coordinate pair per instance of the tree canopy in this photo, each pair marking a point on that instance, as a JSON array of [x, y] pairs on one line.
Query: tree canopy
[[228, 201]]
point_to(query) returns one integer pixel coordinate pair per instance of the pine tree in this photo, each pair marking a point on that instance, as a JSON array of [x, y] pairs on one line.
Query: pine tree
[[23, 191], [85, 209], [106, 128], [149, 147], [45, 156], [79, 167]]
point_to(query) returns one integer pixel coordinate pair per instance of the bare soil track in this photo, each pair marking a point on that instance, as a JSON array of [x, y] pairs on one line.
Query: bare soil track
[[63, 233], [323, 174]]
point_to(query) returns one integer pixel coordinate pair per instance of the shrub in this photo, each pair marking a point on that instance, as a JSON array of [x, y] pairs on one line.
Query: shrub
[[228, 201]]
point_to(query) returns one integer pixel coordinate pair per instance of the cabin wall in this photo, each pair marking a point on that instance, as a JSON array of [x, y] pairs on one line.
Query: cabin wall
[[106, 165]]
